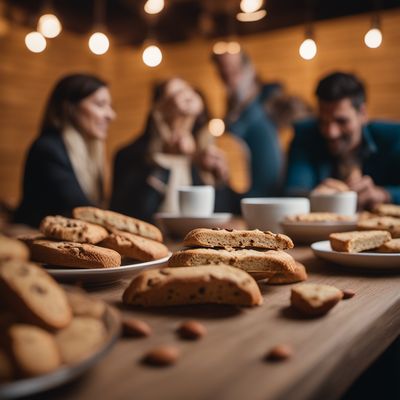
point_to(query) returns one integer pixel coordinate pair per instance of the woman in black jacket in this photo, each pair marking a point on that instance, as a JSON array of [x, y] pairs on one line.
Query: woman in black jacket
[[65, 164]]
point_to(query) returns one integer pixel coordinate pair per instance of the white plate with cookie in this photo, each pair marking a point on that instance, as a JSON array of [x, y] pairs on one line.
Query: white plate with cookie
[[370, 260], [103, 275]]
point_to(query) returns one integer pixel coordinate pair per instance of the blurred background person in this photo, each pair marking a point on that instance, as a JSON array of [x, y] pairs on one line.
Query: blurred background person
[[246, 118], [174, 150], [342, 146], [65, 164]]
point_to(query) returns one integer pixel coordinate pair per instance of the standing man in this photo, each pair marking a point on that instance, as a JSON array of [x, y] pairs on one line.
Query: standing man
[[343, 145]]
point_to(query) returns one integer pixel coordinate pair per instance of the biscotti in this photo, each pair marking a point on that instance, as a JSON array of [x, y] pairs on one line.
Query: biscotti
[[73, 255], [298, 275], [112, 220], [392, 246], [227, 238], [220, 284], [12, 249], [390, 224], [134, 246], [34, 295], [263, 263], [314, 299], [72, 230], [390, 210], [318, 217], [84, 306], [357, 241], [33, 350]]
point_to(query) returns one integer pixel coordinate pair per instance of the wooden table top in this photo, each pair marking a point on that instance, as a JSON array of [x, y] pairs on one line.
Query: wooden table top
[[330, 352]]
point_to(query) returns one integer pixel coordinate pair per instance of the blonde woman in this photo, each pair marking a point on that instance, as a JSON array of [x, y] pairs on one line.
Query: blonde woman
[[65, 164]]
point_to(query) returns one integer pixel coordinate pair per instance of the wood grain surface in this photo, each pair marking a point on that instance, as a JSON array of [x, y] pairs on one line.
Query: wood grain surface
[[330, 352]]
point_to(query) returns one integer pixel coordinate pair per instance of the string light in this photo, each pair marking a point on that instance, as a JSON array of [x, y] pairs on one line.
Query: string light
[[152, 56], [49, 26], [153, 6], [98, 43], [226, 47], [308, 49], [250, 6], [251, 17], [35, 42], [216, 126], [373, 38]]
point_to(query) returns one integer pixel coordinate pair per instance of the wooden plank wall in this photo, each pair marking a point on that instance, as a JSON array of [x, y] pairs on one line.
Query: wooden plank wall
[[26, 78]]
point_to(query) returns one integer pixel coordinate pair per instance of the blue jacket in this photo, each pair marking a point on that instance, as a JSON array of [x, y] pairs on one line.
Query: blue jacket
[[310, 162]]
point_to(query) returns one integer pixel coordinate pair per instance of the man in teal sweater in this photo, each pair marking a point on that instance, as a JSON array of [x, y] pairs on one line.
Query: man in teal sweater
[[343, 145]]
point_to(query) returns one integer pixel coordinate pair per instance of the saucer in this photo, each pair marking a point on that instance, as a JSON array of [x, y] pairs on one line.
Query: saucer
[[179, 225]]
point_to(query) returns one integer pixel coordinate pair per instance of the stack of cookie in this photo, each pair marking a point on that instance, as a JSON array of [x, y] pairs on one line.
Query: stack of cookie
[[41, 326], [259, 253], [94, 239]]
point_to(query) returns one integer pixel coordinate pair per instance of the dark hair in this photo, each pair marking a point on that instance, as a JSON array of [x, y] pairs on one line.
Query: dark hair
[[340, 85], [69, 91]]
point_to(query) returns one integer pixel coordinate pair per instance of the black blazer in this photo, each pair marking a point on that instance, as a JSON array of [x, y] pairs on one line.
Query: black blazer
[[50, 186]]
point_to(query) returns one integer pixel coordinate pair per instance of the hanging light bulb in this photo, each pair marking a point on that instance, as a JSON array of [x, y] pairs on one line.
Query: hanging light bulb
[[152, 56], [98, 43], [373, 38], [308, 49], [216, 126], [251, 17], [154, 6], [49, 26], [35, 42], [250, 6]]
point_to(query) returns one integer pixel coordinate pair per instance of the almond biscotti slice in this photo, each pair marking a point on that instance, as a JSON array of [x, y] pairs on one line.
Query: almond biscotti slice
[[12, 249], [357, 241], [73, 255], [314, 299], [231, 238], [390, 224], [134, 246], [220, 284], [112, 220], [392, 246], [281, 278], [318, 217], [72, 230], [263, 264], [34, 295], [390, 210]]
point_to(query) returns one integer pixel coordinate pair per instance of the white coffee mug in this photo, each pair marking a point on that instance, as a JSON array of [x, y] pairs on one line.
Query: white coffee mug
[[196, 201], [344, 203]]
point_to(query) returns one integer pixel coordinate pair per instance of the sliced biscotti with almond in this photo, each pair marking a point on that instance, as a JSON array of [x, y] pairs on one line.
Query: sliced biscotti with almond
[[357, 241], [231, 238], [220, 284], [34, 295], [390, 210], [112, 220], [281, 278], [390, 224], [72, 230], [134, 246], [263, 264], [392, 246], [12, 249], [73, 255], [314, 299], [33, 350], [318, 217]]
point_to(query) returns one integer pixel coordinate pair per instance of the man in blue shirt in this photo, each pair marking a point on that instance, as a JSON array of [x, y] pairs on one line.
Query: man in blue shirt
[[343, 145]]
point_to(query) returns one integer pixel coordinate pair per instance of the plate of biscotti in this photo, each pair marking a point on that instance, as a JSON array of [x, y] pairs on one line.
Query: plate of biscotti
[[96, 246], [50, 334], [373, 249], [314, 226]]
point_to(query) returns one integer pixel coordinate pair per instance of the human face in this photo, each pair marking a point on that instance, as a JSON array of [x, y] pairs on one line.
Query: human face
[[341, 125], [94, 114], [230, 69]]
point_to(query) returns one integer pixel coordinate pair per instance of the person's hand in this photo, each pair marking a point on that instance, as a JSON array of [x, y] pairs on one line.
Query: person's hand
[[212, 159], [369, 194], [180, 144], [331, 186]]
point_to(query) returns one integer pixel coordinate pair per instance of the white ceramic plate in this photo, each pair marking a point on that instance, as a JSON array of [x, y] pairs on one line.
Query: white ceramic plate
[[38, 384], [308, 232], [179, 226], [370, 260], [101, 275]]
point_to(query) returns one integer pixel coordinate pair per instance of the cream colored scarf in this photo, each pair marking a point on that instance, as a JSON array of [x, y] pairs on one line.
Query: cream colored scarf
[[87, 159]]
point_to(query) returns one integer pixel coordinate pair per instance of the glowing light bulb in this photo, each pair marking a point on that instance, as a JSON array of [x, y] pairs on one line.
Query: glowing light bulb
[[152, 56], [49, 26], [251, 17], [35, 42], [220, 48], [249, 6], [233, 47], [98, 43], [216, 127], [308, 49], [373, 38], [154, 6]]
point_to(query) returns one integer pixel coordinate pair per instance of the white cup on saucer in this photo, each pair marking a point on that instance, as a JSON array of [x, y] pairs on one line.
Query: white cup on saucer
[[344, 203], [196, 201]]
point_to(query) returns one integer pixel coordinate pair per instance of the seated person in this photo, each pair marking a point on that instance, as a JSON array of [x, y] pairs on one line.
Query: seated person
[[65, 164], [343, 145], [174, 150]]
